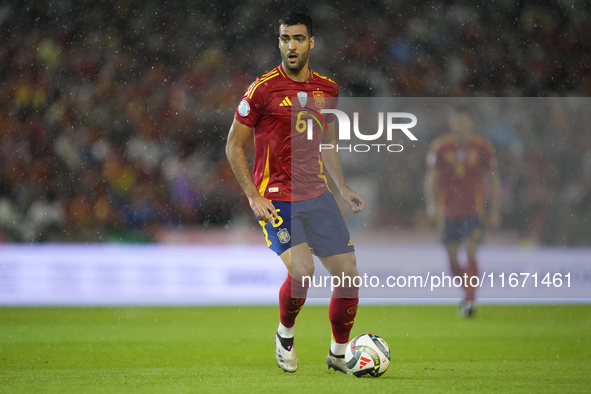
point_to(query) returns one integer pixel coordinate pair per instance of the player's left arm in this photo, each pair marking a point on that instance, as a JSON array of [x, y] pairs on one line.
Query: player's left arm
[[494, 214], [332, 161]]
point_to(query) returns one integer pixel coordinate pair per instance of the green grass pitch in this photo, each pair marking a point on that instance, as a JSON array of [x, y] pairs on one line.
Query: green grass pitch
[[526, 348]]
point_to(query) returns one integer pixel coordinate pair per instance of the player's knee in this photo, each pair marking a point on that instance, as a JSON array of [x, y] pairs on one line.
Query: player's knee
[[471, 253], [472, 270], [308, 270], [456, 270], [302, 267], [350, 265], [350, 271]]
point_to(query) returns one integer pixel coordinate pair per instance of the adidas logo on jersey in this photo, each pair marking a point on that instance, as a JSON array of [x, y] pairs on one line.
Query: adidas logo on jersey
[[286, 102]]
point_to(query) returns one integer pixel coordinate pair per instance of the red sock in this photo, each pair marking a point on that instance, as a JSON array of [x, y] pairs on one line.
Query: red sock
[[342, 311], [290, 307]]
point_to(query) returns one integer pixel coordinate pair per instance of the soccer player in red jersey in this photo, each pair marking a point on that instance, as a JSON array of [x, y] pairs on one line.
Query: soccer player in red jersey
[[289, 194], [457, 165]]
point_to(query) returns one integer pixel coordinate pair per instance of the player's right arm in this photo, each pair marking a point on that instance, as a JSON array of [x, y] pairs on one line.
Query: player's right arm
[[332, 161], [238, 137], [430, 185], [494, 181], [494, 216]]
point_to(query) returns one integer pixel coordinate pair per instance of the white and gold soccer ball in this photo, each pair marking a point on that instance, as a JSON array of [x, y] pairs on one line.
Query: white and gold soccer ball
[[367, 355]]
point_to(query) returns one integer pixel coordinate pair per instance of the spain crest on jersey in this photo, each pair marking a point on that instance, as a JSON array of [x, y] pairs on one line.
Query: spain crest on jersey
[[319, 99], [283, 236]]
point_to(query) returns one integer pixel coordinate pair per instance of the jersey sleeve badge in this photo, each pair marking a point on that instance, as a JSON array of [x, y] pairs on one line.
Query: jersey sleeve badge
[[244, 108]]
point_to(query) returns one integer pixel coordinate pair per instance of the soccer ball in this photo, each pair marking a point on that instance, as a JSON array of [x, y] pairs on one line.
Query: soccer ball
[[367, 355]]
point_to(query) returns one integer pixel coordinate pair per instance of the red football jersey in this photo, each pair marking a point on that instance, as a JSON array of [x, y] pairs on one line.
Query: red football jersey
[[461, 168], [280, 172]]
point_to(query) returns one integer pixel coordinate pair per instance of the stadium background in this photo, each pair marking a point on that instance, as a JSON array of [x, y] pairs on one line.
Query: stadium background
[[113, 119], [114, 114]]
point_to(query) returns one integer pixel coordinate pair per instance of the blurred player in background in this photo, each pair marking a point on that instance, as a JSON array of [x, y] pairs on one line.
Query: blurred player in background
[[316, 223], [457, 165]]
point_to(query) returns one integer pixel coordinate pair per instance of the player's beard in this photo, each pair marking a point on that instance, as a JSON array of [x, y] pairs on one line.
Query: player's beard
[[299, 65]]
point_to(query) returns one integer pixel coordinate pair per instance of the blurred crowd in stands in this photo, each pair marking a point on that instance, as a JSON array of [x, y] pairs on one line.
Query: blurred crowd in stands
[[114, 113]]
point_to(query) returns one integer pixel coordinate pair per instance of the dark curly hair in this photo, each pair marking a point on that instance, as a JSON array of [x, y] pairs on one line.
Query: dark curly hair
[[297, 18]]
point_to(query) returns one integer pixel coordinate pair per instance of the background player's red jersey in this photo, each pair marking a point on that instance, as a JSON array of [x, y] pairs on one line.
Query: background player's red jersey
[[267, 106], [461, 168]]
